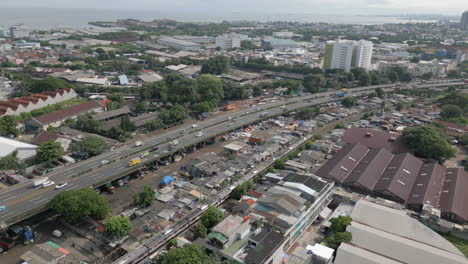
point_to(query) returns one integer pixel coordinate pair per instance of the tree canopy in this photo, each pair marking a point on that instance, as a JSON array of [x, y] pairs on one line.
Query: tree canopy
[[451, 111], [210, 88], [90, 146], [215, 65], [144, 198], [429, 142], [339, 224], [118, 226], [349, 101], [75, 205], [8, 126], [49, 151], [211, 217]]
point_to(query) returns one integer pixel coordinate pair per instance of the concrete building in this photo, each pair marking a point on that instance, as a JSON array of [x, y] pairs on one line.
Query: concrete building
[[283, 34], [196, 39], [5, 88], [345, 54], [23, 150], [228, 41], [363, 53], [382, 235], [19, 32], [342, 55], [464, 21], [179, 44]]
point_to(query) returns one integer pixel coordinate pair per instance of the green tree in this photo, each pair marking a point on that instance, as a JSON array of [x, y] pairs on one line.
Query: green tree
[[49, 151], [279, 164], [172, 243], [234, 91], [335, 240], [215, 65], [211, 217], [339, 224], [9, 162], [427, 76], [358, 72], [451, 111], [307, 113], [189, 254], [126, 124], [142, 107], [313, 83], [393, 76], [380, 92], [144, 198], [249, 45], [118, 226], [210, 88], [454, 74], [349, 101], [154, 124], [91, 60], [365, 79], [117, 98], [75, 205], [87, 123], [90, 146], [415, 59], [8, 126], [429, 142], [399, 106], [202, 107], [200, 231]]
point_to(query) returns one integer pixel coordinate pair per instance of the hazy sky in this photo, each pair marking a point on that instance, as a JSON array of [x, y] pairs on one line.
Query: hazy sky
[[366, 7]]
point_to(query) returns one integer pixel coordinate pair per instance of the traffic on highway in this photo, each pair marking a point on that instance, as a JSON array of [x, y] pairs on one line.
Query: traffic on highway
[[26, 199]]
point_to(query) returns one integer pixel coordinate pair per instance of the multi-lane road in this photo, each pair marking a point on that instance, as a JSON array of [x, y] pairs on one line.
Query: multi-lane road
[[23, 200]]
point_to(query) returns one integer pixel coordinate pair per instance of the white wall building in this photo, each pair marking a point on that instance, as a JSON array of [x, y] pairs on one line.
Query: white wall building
[[363, 54], [19, 32], [179, 44], [228, 41], [24, 150], [342, 55], [347, 54]]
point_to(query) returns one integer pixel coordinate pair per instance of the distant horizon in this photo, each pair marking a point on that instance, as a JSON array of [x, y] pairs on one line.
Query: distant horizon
[[363, 13]]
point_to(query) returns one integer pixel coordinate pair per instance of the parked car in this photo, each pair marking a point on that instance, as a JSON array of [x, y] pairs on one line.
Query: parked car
[[199, 134], [2, 208]]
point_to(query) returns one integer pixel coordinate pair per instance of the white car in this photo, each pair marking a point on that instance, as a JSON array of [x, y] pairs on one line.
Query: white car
[[194, 125], [60, 186], [199, 134], [104, 162], [47, 184]]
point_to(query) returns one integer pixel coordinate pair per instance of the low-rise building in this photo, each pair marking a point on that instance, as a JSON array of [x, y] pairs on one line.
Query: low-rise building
[[23, 150], [179, 44], [55, 119]]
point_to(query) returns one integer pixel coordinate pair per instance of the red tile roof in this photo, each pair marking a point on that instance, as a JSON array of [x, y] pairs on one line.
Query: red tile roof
[[254, 194], [68, 112], [45, 136]]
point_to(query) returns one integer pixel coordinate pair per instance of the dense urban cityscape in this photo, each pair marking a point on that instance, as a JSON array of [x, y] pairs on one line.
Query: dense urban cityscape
[[163, 141]]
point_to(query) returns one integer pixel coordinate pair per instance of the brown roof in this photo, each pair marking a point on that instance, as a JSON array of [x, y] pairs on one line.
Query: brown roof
[[343, 162], [375, 139], [370, 168], [428, 185], [399, 176], [26, 100], [45, 136], [68, 112], [454, 195]]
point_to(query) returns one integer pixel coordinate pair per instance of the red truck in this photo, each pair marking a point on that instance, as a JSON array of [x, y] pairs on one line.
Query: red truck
[[229, 107]]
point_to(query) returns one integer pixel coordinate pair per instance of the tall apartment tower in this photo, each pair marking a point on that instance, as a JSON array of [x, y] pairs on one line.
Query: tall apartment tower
[[464, 21], [363, 54], [342, 57], [344, 54]]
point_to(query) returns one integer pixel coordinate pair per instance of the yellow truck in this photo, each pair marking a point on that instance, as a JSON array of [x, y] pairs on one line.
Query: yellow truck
[[134, 162], [344, 90]]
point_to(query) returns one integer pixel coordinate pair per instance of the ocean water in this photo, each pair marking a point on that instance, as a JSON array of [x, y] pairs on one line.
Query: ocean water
[[45, 18]]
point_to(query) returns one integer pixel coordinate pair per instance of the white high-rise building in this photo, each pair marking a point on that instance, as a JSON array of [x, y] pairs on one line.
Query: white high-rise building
[[363, 54], [344, 54], [228, 41]]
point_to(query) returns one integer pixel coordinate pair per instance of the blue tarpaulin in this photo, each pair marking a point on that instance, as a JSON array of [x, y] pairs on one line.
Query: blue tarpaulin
[[167, 180]]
